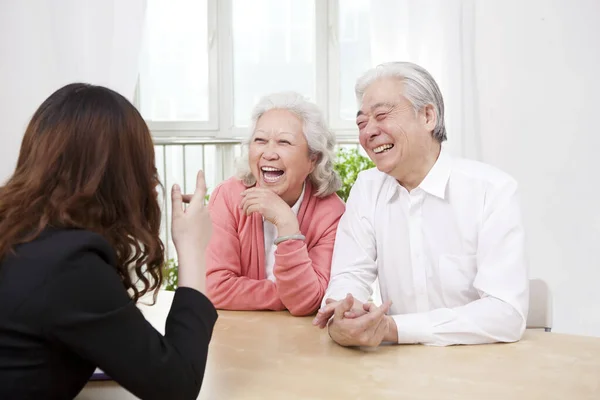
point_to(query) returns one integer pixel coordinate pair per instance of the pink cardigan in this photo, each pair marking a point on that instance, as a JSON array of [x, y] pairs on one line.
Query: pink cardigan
[[235, 259]]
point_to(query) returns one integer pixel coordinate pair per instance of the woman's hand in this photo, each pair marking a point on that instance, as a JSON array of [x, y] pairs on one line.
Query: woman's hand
[[272, 208], [191, 229]]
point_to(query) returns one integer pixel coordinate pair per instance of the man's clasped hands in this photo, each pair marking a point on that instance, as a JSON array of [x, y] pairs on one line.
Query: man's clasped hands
[[352, 323]]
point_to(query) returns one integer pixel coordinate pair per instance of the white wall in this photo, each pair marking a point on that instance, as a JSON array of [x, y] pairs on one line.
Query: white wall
[[538, 66]]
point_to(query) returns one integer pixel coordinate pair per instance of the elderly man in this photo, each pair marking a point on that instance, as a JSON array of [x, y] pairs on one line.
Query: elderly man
[[444, 235]]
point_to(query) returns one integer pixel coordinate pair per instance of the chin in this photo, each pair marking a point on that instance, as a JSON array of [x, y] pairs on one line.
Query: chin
[[386, 166], [276, 188], [387, 169]]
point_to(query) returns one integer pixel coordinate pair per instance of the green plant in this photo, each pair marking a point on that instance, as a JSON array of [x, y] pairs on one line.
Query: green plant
[[170, 275], [349, 163]]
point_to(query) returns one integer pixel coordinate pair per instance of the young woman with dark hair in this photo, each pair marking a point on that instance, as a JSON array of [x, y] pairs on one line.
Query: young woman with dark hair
[[79, 245]]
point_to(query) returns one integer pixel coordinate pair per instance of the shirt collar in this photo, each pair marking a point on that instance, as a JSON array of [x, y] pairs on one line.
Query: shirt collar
[[435, 181]]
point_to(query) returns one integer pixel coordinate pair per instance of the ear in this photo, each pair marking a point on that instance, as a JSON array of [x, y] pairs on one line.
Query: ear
[[429, 117], [313, 163]]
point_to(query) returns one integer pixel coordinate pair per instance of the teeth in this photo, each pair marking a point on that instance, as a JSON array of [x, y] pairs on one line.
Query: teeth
[[271, 169], [382, 148]]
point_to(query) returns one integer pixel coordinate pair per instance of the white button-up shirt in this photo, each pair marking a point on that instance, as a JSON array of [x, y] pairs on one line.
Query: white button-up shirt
[[450, 254]]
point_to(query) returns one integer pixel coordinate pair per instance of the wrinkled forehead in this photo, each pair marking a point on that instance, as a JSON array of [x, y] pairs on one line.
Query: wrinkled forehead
[[278, 121], [382, 92]]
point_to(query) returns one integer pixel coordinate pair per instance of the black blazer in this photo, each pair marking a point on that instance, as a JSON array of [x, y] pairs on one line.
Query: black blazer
[[64, 311]]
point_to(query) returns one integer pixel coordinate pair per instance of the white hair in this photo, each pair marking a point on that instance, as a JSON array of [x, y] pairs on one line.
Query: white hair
[[419, 88], [321, 141]]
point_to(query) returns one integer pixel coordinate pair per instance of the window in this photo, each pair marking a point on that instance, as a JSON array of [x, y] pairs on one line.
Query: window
[[354, 55], [202, 79], [273, 50], [174, 68]]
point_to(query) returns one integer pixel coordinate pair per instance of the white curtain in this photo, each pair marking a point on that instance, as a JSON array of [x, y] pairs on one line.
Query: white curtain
[[439, 36], [45, 44], [98, 41]]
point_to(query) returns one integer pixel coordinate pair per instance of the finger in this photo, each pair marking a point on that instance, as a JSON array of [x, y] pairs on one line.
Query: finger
[[245, 203], [176, 202], [322, 323], [358, 312], [247, 198], [325, 312], [254, 189], [380, 331], [322, 317], [385, 307], [252, 208], [376, 314], [351, 314], [247, 192], [187, 198], [345, 305], [200, 192]]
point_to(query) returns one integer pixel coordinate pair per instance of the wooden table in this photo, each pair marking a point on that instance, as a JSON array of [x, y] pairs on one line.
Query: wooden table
[[272, 355]]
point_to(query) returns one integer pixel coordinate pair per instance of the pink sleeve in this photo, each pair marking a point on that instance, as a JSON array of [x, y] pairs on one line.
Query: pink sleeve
[[302, 276], [225, 286]]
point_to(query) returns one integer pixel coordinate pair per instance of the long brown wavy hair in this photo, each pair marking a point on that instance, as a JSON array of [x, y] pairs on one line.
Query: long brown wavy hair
[[87, 162]]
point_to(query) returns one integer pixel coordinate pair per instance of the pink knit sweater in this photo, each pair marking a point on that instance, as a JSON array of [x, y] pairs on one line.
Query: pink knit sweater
[[235, 273]]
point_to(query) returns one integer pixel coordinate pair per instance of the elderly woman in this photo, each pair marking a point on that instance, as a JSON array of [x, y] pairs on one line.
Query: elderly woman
[[274, 225]]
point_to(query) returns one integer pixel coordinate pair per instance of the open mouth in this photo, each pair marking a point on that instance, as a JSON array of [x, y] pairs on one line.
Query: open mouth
[[271, 174], [383, 148]]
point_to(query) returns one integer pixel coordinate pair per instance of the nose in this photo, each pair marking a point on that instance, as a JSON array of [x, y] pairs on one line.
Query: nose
[[371, 131], [270, 153]]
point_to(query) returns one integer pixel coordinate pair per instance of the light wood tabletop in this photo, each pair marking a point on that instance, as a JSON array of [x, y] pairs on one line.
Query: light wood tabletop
[[273, 355]]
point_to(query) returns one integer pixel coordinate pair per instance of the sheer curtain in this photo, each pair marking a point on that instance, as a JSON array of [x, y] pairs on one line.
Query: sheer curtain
[[97, 41], [438, 35], [46, 44]]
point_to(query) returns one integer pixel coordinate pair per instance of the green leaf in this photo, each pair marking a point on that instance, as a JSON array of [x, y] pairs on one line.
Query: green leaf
[[349, 163]]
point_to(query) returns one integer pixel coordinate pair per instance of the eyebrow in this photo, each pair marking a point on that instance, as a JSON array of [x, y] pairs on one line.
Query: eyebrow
[[376, 105], [276, 133]]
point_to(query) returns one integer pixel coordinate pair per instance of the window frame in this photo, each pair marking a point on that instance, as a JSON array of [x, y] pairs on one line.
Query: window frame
[[220, 124]]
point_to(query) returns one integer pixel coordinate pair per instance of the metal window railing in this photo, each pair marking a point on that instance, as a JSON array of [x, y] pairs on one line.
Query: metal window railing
[[178, 161]]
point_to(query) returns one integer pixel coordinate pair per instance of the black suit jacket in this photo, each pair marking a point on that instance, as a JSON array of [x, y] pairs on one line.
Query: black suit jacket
[[64, 311]]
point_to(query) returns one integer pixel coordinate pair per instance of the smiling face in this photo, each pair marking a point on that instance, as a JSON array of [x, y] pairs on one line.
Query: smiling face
[[278, 154], [394, 136]]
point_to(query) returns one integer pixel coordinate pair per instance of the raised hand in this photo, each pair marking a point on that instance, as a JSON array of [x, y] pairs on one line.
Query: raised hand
[[272, 208], [191, 229]]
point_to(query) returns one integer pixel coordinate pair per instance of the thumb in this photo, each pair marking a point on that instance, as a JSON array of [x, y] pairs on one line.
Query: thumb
[[385, 307], [345, 305], [176, 201]]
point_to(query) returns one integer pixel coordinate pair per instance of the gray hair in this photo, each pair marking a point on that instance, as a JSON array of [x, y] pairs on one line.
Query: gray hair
[[419, 88], [321, 141]]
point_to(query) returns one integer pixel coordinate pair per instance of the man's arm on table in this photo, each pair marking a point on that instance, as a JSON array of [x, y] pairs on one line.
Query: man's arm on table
[[500, 314], [353, 268]]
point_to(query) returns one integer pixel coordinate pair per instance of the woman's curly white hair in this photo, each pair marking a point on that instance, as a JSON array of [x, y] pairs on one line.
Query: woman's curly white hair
[[321, 141]]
